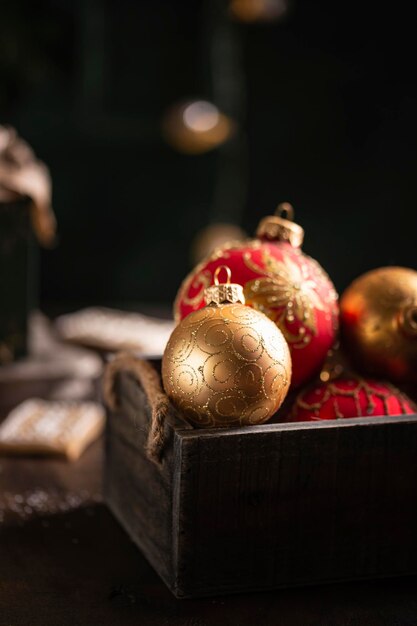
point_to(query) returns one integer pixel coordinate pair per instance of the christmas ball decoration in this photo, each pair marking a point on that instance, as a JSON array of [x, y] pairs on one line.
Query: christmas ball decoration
[[281, 282], [350, 397], [379, 323], [226, 364]]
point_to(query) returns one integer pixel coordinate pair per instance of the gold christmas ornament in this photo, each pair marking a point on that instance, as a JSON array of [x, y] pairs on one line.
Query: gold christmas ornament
[[379, 322], [226, 364]]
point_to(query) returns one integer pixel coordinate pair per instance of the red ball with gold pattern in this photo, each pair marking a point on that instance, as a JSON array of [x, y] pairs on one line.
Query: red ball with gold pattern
[[278, 279], [350, 397]]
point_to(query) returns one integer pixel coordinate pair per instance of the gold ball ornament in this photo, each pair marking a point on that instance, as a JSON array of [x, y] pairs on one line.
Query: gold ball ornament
[[226, 364], [379, 323]]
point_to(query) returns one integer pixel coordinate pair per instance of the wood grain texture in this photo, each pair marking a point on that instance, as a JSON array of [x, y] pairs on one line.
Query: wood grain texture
[[297, 506], [267, 506]]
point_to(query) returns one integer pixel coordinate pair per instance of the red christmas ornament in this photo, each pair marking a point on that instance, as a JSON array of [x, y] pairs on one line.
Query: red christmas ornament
[[282, 282], [350, 397]]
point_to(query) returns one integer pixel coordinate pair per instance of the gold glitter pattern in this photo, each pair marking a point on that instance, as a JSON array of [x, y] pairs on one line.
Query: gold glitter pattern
[[226, 365], [200, 282], [359, 390], [200, 277], [285, 292]]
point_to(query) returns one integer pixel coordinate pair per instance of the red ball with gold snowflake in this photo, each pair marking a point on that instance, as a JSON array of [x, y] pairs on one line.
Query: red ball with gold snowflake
[[279, 280], [350, 397]]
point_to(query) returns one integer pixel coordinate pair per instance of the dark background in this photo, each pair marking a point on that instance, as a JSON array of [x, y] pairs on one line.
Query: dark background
[[326, 102]]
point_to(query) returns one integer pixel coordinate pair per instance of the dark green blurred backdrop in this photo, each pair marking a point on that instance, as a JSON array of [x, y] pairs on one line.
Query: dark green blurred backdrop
[[327, 111]]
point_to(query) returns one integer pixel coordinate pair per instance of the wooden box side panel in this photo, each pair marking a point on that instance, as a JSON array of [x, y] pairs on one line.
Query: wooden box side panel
[[138, 492], [298, 505]]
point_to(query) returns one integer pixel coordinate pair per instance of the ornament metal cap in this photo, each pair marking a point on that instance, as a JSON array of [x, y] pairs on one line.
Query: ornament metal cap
[[224, 293], [281, 227]]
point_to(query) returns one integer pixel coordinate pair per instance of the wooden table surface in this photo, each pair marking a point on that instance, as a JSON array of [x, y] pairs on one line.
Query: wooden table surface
[[65, 560]]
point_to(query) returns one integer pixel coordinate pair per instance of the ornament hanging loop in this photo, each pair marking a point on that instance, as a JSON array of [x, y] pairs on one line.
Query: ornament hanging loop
[[224, 293], [285, 210], [217, 274]]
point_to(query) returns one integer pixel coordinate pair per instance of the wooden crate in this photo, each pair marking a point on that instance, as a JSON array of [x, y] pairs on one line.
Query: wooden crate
[[267, 506]]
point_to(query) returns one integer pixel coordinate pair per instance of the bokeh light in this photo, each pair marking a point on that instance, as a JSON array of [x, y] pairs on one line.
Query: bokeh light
[[258, 10], [196, 127]]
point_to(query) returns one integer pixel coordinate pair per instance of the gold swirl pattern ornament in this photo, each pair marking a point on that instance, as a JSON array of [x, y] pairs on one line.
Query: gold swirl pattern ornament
[[226, 364]]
